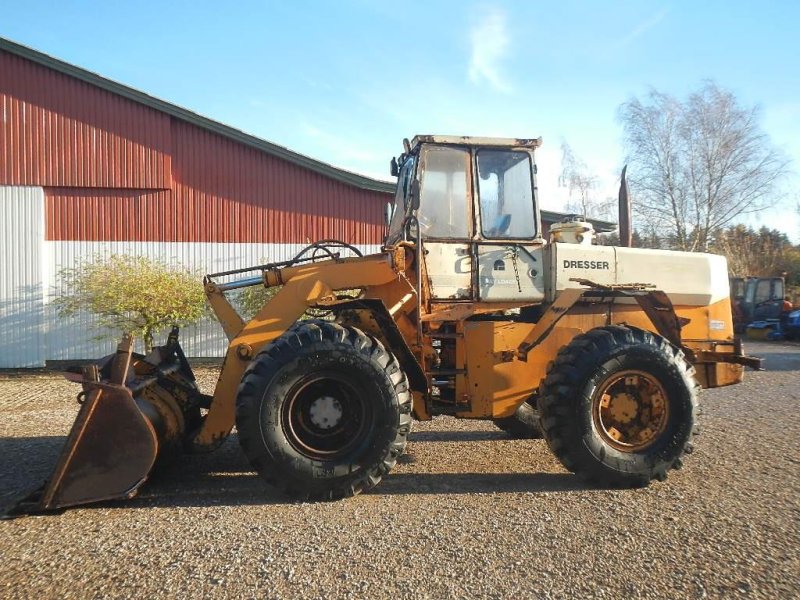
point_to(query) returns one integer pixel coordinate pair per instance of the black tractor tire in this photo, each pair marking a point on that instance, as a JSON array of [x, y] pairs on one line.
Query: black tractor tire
[[523, 424], [323, 412], [581, 381]]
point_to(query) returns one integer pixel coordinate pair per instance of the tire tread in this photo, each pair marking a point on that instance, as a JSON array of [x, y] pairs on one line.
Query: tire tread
[[563, 384], [266, 365]]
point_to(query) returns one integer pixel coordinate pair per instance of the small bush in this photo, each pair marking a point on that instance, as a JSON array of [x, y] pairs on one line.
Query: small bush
[[133, 294]]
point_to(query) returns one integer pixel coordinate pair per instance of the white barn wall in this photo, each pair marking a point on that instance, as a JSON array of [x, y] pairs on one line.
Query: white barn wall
[[22, 273]]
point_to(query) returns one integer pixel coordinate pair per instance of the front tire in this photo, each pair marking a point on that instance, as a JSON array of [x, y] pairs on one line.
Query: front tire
[[618, 406], [323, 412]]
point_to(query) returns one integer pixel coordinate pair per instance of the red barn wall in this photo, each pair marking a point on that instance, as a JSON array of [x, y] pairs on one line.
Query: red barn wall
[[116, 170]]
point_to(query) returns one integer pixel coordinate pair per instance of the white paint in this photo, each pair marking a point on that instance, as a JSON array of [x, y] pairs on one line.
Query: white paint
[[688, 278], [32, 332], [562, 267], [510, 273], [21, 277], [449, 269]]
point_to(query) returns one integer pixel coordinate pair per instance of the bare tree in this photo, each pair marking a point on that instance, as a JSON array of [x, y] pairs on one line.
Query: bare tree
[[575, 176], [698, 165], [581, 186], [761, 253]]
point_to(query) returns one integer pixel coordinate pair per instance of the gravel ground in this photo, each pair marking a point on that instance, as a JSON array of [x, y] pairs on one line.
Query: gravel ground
[[469, 513]]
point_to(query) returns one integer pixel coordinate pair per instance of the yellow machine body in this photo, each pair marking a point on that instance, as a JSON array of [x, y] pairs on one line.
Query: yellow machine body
[[474, 314], [492, 381]]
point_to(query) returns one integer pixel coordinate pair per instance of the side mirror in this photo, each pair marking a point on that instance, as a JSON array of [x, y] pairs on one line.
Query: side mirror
[[415, 194], [393, 168]]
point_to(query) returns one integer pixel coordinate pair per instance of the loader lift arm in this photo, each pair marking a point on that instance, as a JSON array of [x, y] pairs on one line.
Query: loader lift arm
[[303, 286]]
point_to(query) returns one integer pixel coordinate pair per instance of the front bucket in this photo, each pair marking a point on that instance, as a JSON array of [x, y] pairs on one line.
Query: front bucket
[[109, 451]]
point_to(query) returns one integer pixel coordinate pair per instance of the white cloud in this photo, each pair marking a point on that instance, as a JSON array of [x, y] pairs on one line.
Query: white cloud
[[643, 27], [490, 42], [254, 102]]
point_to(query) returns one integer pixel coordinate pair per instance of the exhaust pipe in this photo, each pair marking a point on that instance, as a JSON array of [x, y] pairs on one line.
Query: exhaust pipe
[[625, 228]]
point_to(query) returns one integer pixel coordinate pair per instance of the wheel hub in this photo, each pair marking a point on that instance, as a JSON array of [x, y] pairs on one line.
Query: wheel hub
[[622, 408], [325, 412], [630, 410], [325, 415]]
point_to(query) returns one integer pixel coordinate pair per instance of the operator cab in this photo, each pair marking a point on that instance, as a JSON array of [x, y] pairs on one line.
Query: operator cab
[[470, 204]]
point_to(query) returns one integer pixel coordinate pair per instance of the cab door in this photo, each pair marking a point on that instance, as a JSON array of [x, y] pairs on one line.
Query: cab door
[[769, 294], [509, 257], [445, 221]]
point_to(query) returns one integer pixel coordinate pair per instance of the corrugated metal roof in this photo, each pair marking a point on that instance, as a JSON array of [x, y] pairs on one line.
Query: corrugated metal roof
[[188, 116]]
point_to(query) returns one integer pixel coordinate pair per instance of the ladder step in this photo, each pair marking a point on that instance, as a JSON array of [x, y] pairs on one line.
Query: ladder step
[[447, 372], [443, 383], [445, 335]]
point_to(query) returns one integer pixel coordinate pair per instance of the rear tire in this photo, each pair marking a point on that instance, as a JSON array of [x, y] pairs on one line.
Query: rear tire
[[618, 406], [523, 424], [323, 412]]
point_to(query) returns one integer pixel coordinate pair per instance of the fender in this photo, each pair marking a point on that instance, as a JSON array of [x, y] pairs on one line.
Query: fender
[[372, 316]]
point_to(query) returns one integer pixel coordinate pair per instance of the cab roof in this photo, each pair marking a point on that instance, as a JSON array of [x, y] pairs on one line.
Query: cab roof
[[466, 140]]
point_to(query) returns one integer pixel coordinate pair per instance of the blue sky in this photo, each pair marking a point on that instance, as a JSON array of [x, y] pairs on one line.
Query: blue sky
[[345, 81]]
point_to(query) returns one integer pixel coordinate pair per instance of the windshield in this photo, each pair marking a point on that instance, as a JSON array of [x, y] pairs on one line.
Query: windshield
[[506, 194], [400, 198]]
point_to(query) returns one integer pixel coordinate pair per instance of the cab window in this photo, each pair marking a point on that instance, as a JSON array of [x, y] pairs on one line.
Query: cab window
[[763, 291], [777, 289], [737, 288], [401, 200], [445, 193], [505, 187]]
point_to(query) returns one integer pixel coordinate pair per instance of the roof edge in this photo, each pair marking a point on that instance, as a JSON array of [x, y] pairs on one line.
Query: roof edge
[[183, 114], [469, 140]]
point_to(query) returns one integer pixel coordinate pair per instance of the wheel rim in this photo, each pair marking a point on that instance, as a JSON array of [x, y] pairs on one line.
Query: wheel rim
[[630, 410], [325, 416]]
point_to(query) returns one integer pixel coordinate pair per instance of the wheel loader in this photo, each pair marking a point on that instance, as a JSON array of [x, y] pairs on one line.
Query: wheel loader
[[470, 309]]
